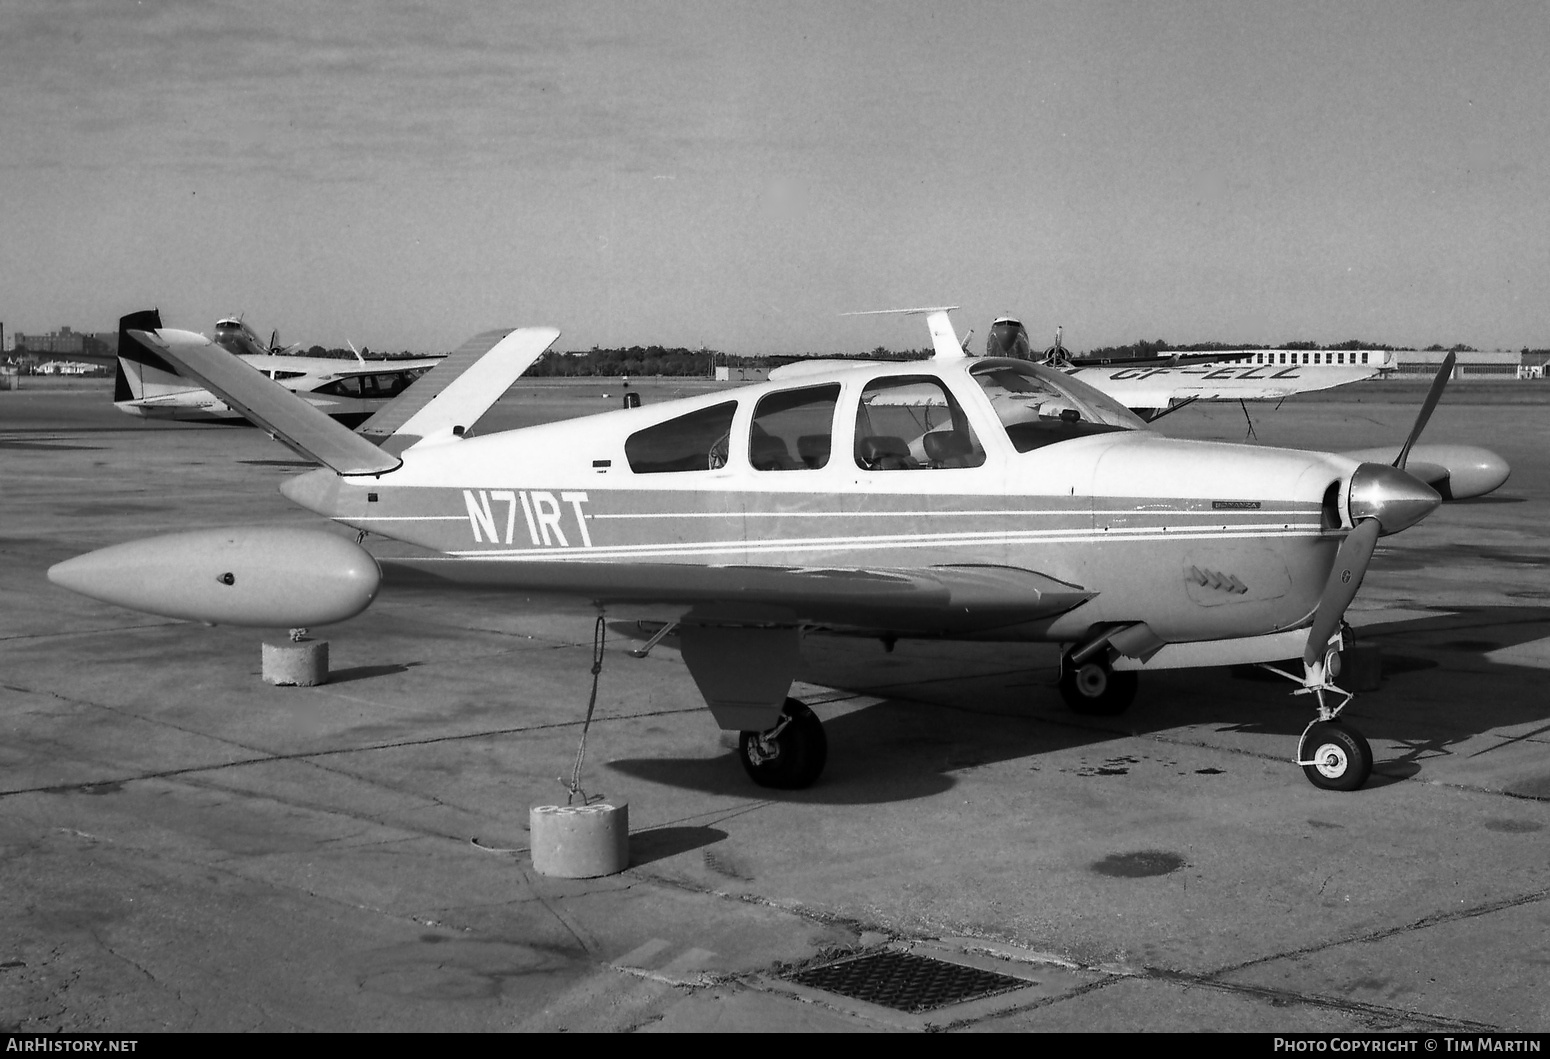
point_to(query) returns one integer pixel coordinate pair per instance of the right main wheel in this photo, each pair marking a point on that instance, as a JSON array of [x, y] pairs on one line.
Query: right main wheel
[[793, 757], [1339, 757]]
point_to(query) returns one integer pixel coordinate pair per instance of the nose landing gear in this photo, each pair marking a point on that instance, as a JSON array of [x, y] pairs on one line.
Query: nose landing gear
[[1334, 757]]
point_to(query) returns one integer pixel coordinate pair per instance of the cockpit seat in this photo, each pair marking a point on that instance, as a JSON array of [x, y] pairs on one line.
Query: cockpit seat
[[813, 449], [948, 448], [767, 452], [882, 452]]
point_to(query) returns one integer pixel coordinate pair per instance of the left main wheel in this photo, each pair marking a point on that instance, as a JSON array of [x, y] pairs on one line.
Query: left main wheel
[[792, 757], [1339, 758], [1096, 690]]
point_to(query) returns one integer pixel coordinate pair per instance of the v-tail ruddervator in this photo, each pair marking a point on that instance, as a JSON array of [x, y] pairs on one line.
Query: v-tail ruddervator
[[961, 497]]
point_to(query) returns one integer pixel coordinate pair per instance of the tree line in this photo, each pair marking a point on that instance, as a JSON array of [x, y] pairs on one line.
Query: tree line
[[679, 361]]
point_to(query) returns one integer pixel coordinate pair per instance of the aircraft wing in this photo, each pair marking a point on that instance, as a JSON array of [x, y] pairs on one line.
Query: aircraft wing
[[268, 404], [379, 365], [456, 392], [1161, 387], [937, 600]]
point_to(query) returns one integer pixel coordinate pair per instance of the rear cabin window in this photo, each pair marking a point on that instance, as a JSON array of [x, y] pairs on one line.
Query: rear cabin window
[[911, 423], [693, 442], [349, 386], [793, 430]]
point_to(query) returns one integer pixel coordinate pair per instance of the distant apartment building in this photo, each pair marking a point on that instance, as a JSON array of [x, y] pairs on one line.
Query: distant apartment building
[[63, 341], [66, 341]]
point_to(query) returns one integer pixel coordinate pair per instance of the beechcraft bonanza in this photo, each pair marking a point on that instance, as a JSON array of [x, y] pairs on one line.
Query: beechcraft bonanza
[[960, 497], [147, 385]]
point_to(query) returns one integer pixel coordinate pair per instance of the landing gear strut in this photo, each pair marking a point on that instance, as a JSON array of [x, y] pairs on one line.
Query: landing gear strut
[[1094, 689], [789, 756]]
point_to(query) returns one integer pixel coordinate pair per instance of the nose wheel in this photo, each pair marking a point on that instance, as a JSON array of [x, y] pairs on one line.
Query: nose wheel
[[1095, 689], [789, 756], [1334, 756]]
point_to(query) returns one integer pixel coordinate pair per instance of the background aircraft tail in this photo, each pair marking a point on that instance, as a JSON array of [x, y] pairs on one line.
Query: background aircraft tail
[[134, 356]]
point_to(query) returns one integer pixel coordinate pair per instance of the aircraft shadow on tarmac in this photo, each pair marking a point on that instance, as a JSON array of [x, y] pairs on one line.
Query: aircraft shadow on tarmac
[[986, 709]]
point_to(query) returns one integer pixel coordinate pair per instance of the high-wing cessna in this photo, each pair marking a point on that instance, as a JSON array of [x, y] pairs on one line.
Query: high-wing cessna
[[1153, 386], [147, 385], [964, 497]]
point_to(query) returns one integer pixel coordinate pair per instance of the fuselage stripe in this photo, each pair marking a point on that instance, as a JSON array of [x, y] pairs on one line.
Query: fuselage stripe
[[862, 544]]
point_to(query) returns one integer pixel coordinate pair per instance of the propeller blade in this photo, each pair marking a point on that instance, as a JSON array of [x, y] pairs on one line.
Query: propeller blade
[[1344, 579], [1443, 373]]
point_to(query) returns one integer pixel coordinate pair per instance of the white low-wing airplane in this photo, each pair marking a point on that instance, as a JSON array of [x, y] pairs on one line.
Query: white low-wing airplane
[[1153, 386], [147, 385], [963, 497]]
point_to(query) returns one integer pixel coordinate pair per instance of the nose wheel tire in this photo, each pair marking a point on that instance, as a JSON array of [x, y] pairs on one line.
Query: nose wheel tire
[[1334, 757], [789, 756], [1096, 690]]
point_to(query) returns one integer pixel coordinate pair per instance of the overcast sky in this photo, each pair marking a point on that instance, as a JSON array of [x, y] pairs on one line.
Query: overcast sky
[[737, 175]]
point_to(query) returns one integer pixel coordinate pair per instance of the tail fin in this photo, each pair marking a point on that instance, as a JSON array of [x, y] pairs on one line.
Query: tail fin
[[128, 383], [304, 428], [456, 392]]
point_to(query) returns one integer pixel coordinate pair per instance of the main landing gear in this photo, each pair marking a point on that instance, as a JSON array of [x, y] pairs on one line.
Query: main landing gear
[[789, 756], [1094, 689]]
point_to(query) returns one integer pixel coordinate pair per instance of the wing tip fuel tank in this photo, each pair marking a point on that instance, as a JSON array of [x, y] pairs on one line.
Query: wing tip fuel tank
[[264, 576]]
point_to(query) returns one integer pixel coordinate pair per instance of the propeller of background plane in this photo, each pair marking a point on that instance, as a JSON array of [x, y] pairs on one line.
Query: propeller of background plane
[[1382, 499]]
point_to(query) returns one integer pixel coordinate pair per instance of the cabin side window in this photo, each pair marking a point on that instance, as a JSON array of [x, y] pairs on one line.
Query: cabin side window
[[912, 422], [793, 430], [349, 386], [696, 441]]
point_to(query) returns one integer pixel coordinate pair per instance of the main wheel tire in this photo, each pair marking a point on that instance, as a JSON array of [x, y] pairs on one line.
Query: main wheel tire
[[1342, 758], [800, 751], [1095, 690]]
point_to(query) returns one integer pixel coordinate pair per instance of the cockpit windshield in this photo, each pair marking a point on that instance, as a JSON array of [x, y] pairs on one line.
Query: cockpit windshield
[[1039, 406]]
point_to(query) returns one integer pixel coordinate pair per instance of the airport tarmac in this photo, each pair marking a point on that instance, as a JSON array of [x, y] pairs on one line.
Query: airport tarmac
[[183, 847]]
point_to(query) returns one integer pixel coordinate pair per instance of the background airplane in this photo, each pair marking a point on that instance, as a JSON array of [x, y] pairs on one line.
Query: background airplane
[[1040, 511], [147, 385], [232, 334], [1154, 386]]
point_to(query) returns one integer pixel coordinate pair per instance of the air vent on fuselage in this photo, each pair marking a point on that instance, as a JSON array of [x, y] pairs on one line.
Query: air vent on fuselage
[[1329, 510]]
